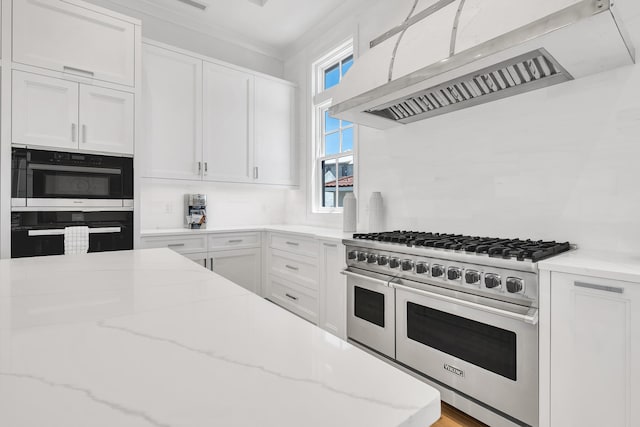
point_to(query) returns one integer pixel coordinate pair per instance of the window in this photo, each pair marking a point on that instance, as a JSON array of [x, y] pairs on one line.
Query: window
[[334, 139]]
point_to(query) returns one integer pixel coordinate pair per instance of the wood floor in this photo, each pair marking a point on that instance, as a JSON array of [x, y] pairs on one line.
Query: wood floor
[[451, 417]]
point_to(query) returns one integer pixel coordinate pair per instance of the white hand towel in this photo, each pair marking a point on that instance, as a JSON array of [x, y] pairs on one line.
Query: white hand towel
[[76, 240]]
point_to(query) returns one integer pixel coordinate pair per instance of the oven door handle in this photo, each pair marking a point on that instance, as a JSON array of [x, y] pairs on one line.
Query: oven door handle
[[362, 276], [60, 231], [531, 317]]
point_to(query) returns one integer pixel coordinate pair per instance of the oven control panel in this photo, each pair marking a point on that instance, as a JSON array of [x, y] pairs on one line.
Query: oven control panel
[[500, 283]]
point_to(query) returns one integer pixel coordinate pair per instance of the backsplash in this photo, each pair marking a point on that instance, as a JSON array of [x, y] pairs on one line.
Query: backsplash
[[162, 203]]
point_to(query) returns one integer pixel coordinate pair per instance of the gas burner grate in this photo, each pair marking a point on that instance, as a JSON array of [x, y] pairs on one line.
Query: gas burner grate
[[521, 250]]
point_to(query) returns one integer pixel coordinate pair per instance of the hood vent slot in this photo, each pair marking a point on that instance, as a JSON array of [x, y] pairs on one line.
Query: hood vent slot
[[531, 71]]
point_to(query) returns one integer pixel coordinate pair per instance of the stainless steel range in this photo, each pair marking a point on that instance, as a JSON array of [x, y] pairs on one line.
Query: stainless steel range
[[460, 310]]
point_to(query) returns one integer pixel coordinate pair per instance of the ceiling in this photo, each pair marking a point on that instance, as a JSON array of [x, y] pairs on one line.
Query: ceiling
[[274, 26]]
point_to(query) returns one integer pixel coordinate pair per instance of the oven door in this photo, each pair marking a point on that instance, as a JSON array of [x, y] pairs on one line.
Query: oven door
[[371, 311], [487, 350]]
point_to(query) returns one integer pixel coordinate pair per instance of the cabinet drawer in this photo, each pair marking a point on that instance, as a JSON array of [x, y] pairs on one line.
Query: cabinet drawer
[[180, 244], [299, 269], [294, 298], [234, 240], [298, 245]]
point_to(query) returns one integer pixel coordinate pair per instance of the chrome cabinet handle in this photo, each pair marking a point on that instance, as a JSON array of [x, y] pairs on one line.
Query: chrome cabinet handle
[[78, 70], [175, 245], [291, 297], [199, 168], [255, 172], [84, 134], [290, 267], [613, 289], [236, 241], [293, 244], [73, 132], [206, 167]]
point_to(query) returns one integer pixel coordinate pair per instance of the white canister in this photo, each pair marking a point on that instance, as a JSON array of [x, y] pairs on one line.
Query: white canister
[[349, 213], [375, 212]]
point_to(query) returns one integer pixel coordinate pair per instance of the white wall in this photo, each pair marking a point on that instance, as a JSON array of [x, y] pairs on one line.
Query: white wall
[[162, 203], [190, 38], [560, 163]]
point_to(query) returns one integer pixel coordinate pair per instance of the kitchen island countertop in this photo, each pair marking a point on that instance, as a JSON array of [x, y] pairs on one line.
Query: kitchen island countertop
[[149, 338]]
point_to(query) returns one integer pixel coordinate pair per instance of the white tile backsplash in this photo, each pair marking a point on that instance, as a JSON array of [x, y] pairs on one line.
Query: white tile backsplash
[[162, 203]]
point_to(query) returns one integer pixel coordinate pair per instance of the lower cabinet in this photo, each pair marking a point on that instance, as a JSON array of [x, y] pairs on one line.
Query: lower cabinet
[[295, 298], [595, 343], [333, 289], [241, 266], [201, 259]]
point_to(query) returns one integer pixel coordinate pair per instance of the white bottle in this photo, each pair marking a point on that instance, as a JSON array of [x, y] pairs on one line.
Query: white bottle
[[375, 212], [349, 213]]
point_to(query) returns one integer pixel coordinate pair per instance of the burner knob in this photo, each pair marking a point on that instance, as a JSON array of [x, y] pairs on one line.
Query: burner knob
[[394, 262], [422, 268], [372, 258], [437, 270], [454, 273], [362, 256], [515, 285], [407, 265], [472, 277], [492, 281], [383, 260], [353, 255]]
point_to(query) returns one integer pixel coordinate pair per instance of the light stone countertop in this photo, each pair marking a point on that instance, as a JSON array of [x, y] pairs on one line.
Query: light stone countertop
[[310, 231], [149, 338], [607, 265]]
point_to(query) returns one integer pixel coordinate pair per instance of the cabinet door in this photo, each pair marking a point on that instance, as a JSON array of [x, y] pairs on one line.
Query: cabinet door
[[333, 289], [60, 36], [199, 258], [241, 266], [228, 123], [44, 111], [595, 343], [274, 148], [106, 120], [172, 114]]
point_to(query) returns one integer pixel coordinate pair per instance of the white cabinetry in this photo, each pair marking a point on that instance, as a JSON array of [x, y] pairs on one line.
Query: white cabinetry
[[207, 121], [274, 130], [45, 111], [172, 111], [56, 113], [333, 288], [228, 124], [595, 342], [60, 36], [241, 266]]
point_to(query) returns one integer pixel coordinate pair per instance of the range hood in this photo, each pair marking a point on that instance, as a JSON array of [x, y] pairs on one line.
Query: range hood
[[453, 54]]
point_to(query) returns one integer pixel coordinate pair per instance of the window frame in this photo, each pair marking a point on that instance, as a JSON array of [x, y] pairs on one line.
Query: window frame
[[321, 101]]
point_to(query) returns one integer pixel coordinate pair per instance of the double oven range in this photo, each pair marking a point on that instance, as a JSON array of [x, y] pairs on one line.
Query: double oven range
[[52, 190], [461, 311]]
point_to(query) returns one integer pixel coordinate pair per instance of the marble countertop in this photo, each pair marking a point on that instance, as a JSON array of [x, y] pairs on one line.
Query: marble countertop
[[607, 265], [315, 232], [149, 338]]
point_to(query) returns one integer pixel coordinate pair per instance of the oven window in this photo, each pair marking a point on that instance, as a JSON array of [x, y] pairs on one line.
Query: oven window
[[486, 346], [369, 305], [76, 185]]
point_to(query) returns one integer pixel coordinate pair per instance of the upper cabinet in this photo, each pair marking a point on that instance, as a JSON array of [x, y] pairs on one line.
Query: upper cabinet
[[274, 129], [228, 124], [212, 122], [172, 114], [60, 36], [55, 113]]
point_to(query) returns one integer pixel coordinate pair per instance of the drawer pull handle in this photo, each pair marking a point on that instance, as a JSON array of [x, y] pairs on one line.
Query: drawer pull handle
[[175, 245], [291, 297], [293, 244], [77, 70], [329, 245], [604, 288], [290, 267], [235, 241]]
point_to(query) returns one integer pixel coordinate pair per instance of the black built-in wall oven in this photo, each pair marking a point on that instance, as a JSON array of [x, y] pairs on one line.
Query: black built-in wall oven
[[52, 190]]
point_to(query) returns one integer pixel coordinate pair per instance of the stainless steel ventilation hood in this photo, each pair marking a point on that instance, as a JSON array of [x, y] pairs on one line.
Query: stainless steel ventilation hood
[[454, 54]]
